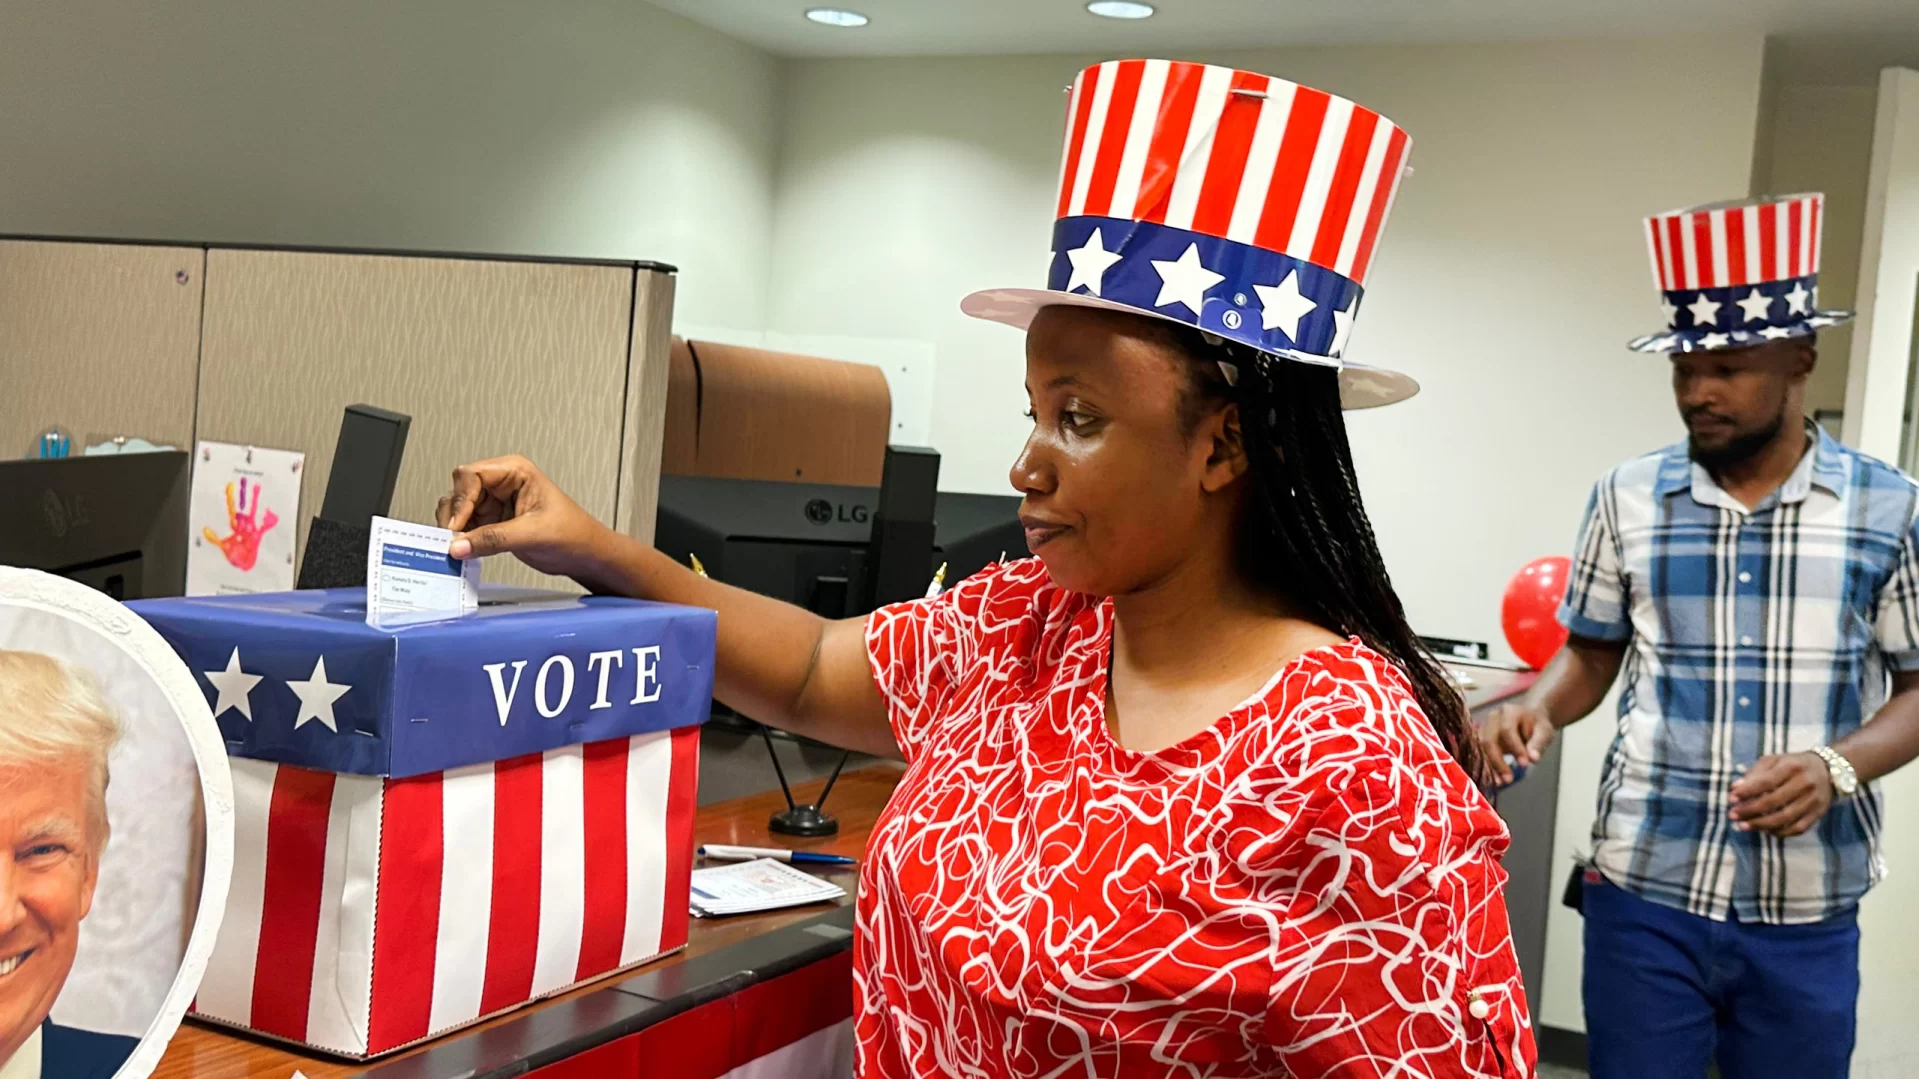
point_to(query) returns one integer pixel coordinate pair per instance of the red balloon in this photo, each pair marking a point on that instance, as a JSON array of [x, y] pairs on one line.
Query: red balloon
[[1529, 612]]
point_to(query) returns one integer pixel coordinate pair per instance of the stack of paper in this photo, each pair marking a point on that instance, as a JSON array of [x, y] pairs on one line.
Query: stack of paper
[[758, 885]]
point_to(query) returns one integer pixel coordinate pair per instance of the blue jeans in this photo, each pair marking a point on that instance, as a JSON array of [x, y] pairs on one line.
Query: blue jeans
[[1667, 991]]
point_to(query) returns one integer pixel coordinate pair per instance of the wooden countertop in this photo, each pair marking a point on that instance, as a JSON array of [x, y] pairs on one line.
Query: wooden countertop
[[204, 1051]]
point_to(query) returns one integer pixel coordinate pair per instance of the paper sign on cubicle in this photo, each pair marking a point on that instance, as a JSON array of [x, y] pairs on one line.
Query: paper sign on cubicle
[[408, 572], [241, 519]]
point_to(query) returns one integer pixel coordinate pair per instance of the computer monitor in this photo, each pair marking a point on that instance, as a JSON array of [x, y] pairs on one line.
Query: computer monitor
[[116, 522], [807, 543]]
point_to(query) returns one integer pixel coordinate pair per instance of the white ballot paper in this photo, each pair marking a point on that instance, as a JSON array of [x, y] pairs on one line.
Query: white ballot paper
[[408, 572], [758, 885]]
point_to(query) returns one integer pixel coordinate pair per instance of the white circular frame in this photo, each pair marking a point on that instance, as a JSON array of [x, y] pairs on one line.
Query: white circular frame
[[45, 593]]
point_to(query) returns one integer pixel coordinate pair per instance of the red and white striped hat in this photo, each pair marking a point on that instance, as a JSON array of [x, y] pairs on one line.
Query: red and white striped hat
[[1737, 274], [1244, 205]]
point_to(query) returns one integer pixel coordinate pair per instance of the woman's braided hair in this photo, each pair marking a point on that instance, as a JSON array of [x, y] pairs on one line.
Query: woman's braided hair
[[1304, 534]]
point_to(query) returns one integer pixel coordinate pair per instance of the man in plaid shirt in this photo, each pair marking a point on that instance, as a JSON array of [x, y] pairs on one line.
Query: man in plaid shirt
[[1759, 584]]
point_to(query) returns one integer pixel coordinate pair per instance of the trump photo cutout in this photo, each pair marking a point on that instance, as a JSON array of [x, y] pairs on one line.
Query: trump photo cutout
[[116, 813]]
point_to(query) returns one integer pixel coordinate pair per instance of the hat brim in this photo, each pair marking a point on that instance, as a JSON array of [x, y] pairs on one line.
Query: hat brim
[[1694, 340], [1360, 386]]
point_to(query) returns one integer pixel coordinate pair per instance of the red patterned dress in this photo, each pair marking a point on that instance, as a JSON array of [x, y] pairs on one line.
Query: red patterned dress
[[1311, 887]]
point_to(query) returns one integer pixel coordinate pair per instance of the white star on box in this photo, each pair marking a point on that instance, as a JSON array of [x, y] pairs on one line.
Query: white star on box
[[1342, 329], [1714, 340], [1184, 280], [1281, 306], [1755, 306], [316, 698], [1705, 311], [234, 686], [1796, 300], [1090, 263], [1774, 333], [1671, 311]]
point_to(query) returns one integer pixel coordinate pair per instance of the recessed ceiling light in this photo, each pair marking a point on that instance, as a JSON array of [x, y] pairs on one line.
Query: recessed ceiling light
[[1120, 9], [832, 16]]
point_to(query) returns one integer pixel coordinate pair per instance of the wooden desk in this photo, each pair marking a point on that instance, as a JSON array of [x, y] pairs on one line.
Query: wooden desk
[[202, 1051]]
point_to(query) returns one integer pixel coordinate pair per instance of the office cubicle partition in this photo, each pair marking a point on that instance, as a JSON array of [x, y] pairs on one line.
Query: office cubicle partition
[[564, 361]]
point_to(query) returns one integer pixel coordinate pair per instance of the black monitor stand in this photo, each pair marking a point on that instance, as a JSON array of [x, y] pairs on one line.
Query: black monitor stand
[[898, 553]]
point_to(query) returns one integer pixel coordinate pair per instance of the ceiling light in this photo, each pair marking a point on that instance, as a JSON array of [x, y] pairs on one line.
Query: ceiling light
[[832, 16], [1120, 9]]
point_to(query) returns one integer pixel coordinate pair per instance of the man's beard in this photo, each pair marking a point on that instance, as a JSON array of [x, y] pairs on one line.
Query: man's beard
[[1739, 447]]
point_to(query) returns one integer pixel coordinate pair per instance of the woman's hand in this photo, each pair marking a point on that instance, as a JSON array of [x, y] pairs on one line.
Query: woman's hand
[[508, 506]]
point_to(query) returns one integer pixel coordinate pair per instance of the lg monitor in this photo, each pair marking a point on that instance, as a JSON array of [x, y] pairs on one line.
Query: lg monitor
[[116, 522], [808, 543]]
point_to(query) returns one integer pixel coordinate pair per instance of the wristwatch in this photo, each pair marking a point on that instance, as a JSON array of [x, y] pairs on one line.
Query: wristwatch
[[1845, 781]]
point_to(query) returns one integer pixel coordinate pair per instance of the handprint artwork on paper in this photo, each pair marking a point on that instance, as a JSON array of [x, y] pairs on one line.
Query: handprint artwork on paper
[[242, 543]]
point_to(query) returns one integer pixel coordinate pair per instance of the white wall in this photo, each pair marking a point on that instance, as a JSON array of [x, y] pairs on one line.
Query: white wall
[[1821, 140], [1511, 275], [1878, 399], [1889, 966], [567, 127]]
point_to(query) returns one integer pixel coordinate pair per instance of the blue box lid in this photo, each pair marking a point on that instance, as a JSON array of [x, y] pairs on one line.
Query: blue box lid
[[302, 678]]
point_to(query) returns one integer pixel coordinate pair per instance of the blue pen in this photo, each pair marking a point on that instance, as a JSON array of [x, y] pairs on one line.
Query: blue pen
[[721, 853]]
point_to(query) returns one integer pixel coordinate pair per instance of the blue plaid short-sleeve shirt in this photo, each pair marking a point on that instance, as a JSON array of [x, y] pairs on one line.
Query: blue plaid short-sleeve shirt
[[1751, 632]]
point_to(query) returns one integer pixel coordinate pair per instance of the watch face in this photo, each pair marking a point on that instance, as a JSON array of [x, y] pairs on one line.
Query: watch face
[[1845, 781]]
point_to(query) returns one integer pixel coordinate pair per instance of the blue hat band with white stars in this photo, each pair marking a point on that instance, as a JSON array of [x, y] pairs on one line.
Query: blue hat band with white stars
[[1739, 316], [1272, 302], [1781, 304]]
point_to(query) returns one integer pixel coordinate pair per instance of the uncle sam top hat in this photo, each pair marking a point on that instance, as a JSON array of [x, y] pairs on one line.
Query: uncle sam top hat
[[1737, 274], [1246, 206]]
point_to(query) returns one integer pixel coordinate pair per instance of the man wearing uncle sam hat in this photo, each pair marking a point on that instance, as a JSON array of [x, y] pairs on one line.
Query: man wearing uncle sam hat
[[1759, 583]]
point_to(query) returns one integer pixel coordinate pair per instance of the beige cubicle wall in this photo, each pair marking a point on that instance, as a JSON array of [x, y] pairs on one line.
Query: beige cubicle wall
[[644, 437], [98, 339], [564, 362], [487, 357]]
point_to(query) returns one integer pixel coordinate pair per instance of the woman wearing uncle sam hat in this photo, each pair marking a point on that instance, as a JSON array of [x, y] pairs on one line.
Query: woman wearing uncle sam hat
[[1759, 583], [1184, 792]]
